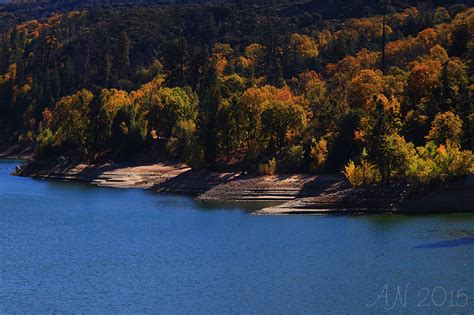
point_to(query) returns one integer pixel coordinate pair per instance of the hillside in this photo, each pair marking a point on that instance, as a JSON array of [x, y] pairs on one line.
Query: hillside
[[277, 86]]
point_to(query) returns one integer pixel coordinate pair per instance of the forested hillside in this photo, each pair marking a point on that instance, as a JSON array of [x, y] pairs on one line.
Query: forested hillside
[[273, 86]]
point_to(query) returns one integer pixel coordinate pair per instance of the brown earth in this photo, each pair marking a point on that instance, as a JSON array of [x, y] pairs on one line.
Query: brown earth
[[104, 174], [292, 194], [16, 152]]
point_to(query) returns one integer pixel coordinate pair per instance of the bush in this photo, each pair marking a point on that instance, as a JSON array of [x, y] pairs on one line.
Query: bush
[[424, 171], [293, 159], [319, 154], [45, 141], [433, 163], [268, 168], [363, 174], [453, 161]]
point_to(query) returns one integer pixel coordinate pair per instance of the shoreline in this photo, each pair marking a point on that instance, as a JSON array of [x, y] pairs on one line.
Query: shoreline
[[17, 152], [292, 194]]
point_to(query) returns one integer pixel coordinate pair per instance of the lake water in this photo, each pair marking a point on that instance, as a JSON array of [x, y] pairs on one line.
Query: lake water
[[69, 247]]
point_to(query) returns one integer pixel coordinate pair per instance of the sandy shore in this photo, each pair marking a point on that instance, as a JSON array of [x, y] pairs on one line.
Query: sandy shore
[[292, 194], [105, 174]]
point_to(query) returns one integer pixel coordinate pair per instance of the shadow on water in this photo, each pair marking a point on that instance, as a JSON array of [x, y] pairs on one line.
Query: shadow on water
[[247, 206], [451, 243]]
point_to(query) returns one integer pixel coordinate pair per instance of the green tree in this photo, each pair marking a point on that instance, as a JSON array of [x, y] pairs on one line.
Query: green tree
[[282, 122], [385, 147], [209, 103], [71, 120], [446, 127]]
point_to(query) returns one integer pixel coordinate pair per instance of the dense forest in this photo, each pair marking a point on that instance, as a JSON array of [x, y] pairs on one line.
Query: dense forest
[[377, 89]]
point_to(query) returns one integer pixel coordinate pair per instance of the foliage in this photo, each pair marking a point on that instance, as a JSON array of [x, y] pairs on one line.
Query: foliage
[[446, 127], [70, 119], [434, 163], [283, 122], [183, 143], [453, 161], [127, 133], [319, 154], [235, 83], [45, 141], [363, 174], [385, 147], [292, 159], [268, 168]]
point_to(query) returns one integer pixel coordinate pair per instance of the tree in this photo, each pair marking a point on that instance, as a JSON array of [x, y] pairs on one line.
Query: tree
[[424, 80], [302, 50], [345, 145], [363, 87], [127, 133], [454, 81], [183, 143], [385, 147], [173, 105], [209, 103], [98, 132], [112, 100], [282, 122], [124, 58], [71, 120], [252, 104], [446, 127]]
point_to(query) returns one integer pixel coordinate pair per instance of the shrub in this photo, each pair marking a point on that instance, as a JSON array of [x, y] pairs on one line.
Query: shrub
[[45, 141], [431, 163], [268, 168], [319, 154], [293, 159], [363, 174], [453, 161], [423, 171]]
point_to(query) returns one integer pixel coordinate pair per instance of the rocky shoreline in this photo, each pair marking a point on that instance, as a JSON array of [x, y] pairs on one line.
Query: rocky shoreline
[[17, 152], [103, 174], [292, 194]]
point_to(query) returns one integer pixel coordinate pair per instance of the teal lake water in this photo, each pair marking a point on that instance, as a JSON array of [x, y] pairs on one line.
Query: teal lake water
[[67, 247]]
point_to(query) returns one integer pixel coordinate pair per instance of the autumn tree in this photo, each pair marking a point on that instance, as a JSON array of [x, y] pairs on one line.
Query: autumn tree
[[424, 80], [385, 147], [363, 87], [302, 51], [283, 122], [71, 119], [446, 127]]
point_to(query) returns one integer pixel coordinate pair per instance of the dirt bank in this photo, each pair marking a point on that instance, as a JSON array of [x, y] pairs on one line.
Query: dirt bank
[[17, 151], [396, 198], [104, 174], [293, 194], [274, 188]]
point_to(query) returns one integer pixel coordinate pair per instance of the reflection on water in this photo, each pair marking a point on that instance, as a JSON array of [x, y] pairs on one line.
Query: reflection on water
[[248, 206]]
